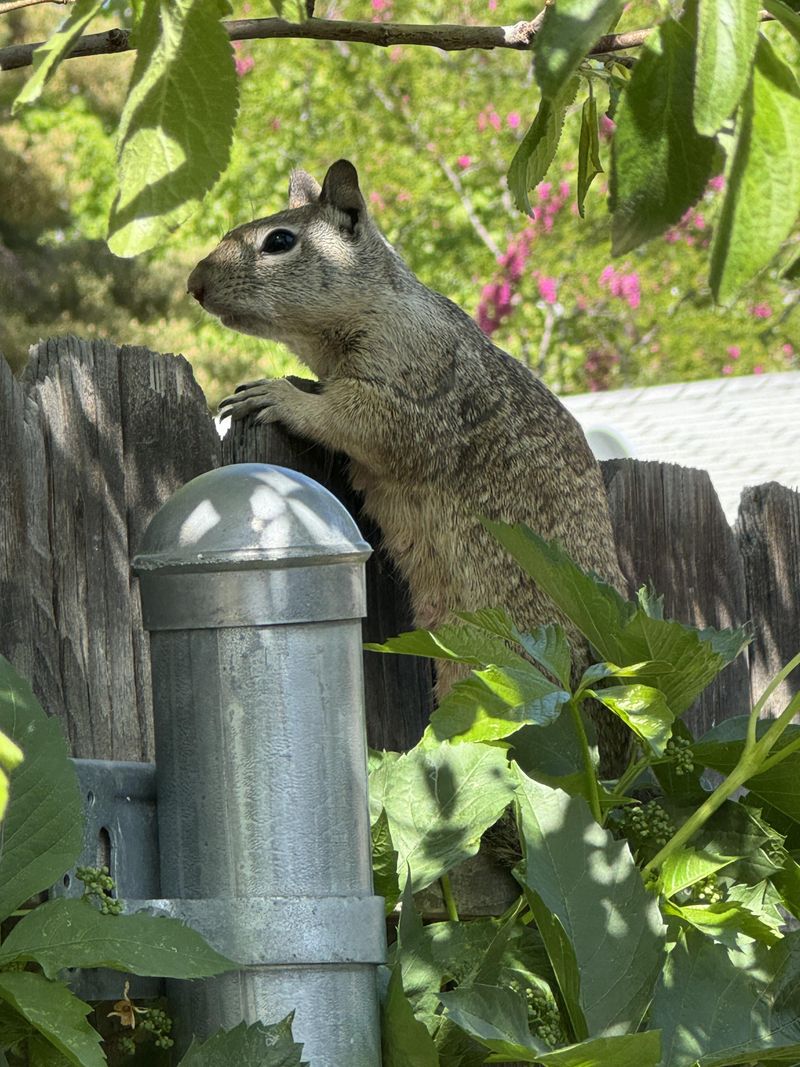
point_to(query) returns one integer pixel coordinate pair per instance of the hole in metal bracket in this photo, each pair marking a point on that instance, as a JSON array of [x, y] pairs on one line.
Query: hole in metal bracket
[[104, 849]]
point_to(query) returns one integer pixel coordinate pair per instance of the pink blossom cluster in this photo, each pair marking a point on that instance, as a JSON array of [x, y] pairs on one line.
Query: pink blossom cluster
[[607, 127], [691, 230], [497, 298], [624, 286], [733, 352], [761, 311], [550, 203], [599, 366], [490, 117], [243, 64], [381, 10]]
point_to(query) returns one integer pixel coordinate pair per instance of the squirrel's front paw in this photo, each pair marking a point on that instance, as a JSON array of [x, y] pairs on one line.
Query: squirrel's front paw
[[271, 398]]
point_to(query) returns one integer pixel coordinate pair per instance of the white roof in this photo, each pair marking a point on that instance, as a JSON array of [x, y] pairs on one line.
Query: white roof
[[743, 431]]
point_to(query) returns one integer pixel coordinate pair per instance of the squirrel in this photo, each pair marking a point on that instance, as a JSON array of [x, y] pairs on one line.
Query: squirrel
[[441, 426]]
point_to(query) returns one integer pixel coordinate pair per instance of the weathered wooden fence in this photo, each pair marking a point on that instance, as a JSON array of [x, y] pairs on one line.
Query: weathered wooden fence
[[94, 438]]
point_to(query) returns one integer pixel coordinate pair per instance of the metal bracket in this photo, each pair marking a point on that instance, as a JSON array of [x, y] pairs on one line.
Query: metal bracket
[[121, 833]]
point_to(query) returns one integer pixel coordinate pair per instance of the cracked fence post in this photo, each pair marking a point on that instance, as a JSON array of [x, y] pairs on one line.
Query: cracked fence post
[[252, 583]]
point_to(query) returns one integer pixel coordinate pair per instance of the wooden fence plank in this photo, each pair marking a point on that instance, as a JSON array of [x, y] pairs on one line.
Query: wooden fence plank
[[398, 689], [121, 430], [671, 531], [768, 529]]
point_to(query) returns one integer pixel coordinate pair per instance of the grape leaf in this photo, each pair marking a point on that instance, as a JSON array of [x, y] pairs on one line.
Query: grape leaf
[[42, 833], [58, 1016]]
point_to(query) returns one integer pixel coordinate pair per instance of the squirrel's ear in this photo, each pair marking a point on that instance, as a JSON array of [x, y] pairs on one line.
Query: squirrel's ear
[[303, 189], [340, 190]]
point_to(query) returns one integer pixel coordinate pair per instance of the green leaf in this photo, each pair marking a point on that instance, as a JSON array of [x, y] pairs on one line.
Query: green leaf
[[785, 15], [660, 165], [42, 834], [42, 1054], [643, 709], [10, 757], [683, 659], [724, 921], [568, 31], [498, 1019], [58, 1016], [384, 863], [589, 883], [72, 933], [727, 31], [686, 867], [753, 993], [589, 165], [547, 645], [257, 1045], [596, 608], [538, 147], [762, 198], [405, 1041], [495, 703], [176, 127], [465, 643], [722, 746], [549, 753], [47, 57], [439, 801]]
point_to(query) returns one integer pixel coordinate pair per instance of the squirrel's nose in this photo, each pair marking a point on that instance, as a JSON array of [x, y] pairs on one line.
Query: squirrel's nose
[[196, 284]]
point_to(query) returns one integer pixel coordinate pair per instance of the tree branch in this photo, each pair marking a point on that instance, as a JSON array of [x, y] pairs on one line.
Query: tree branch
[[383, 34], [13, 5]]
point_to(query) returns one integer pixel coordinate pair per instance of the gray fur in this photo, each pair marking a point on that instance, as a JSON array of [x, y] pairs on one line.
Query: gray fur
[[440, 425]]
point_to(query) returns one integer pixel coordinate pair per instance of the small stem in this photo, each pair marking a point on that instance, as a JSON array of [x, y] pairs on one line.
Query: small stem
[[759, 704], [787, 750], [738, 776], [15, 5], [448, 898], [767, 743], [591, 778], [635, 768]]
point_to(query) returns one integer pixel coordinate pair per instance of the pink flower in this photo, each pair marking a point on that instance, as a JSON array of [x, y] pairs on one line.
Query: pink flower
[[606, 275], [377, 200], [727, 369], [243, 65], [513, 119], [787, 350], [607, 127], [543, 190], [563, 189], [699, 221], [717, 184], [548, 289], [494, 120], [758, 369], [404, 197], [464, 162], [734, 351], [630, 290], [493, 5], [761, 311]]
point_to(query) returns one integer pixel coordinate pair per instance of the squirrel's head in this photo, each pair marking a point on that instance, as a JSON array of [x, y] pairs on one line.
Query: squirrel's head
[[303, 272]]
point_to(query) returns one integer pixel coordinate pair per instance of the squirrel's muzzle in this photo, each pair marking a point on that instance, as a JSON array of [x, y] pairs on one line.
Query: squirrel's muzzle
[[196, 285]]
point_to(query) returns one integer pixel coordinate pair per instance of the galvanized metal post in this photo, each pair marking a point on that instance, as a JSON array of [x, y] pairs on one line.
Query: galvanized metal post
[[252, 581]]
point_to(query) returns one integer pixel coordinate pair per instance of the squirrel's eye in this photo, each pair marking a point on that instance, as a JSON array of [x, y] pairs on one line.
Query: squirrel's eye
[[278, 241]]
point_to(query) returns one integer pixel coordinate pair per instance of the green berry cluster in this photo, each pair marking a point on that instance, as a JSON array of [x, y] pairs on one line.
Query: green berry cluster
[[98, 883], [126, 1045], [707, 891], [544, 1018], [159, 1024], [649, 822], [679, 751]]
